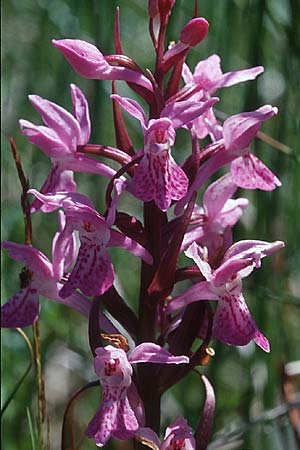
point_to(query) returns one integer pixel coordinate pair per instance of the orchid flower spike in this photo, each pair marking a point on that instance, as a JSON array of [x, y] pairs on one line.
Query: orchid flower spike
[[88, 61], [115, 416], [158, 177], [233, 323], [59, 138]]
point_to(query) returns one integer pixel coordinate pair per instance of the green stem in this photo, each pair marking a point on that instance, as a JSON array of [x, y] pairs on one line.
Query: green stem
[[40, 386]]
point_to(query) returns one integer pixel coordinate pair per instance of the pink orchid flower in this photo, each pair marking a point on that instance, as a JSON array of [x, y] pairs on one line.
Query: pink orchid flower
[[115, 417], [219, 213], [233, 323], [93, 272], [87, 60], [209, 77], [43, 278], [158, 177], [237, 134], [179, 435], [59, 138]]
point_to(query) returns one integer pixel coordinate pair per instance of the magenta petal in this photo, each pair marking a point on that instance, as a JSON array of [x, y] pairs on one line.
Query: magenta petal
[[208, 72], [153, 353], [145, 434], [239, 130], [58, 180], [231, 78], [254, 249], [249, 172], [87, 165], [84, 57], [35, 260], [63, 251], [118, 239], [81, 112], [262, 341], [229, 269], [21, 310], [93, 273], [132, 107], [159, 178], [199, 291], [44, 138], [181, 113], [233, 323], [114, 418], [217, 194], [58, 119]]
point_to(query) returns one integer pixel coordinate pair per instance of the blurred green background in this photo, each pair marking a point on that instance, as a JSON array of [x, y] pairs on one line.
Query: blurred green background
[[244, 33]]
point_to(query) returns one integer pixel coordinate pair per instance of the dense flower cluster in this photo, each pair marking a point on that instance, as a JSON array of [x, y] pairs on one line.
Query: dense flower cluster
[[81, 271]]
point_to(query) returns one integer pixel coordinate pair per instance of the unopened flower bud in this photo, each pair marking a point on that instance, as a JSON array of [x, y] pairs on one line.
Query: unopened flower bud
[[194, 31]]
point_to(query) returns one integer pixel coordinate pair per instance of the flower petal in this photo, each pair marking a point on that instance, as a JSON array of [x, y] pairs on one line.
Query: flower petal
[[58, 180], [21, 310], [35, 260], [81, 112], [153, 353], [132, 107], [118, 239], [249, 172], [93, 273], [217, 194], [197, 292], [233, 323], [44, 138], [59, 120]]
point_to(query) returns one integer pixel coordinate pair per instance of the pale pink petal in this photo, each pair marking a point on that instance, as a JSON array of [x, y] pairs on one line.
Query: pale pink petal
[[120, 184], [114, 418], [89, 62], [239, 130], [178, 180], [93, 273], [132, 107], [249, 172], [58, 180], [217, 194], [59, 120], [229, 269], [196, 253], [159, 178], [35, 260], [179, 436], [233, 323], [21, 310], [181, 113], [54, 201], [81, 112], [262, 341], [153, 353], [118, 239], [87, 165], [63, 251], [197, 292], [231, 78], [232, 211], [45, 138], [254, 249], [187, 74], [84, 57], [208, 72]]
